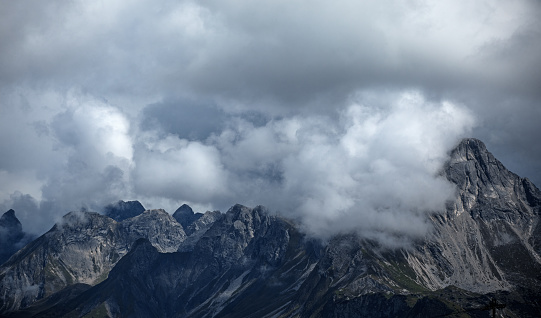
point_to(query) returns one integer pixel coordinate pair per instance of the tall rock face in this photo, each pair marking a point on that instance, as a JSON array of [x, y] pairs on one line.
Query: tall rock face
[[249, 263], [81, 249], [12, 236], [122, 210], [485, 243], [488, 239]]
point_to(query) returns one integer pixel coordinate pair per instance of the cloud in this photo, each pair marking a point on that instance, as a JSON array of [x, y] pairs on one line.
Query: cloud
[[179, 169], [75, 152], [239, 101], [376, 171], [285, 53], [190, 119]]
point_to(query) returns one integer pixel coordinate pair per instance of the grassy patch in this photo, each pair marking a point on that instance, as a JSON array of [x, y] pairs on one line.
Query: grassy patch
[[103, 276], [400, 274], [98, 312]]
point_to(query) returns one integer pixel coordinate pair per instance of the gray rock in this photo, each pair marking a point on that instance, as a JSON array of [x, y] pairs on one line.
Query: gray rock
[[249, 263], [12, 236], [122, 210], [82, 248], [185, 215], [11, 233]]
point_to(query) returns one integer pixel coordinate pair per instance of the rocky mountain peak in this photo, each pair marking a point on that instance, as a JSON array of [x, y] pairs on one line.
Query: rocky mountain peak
[[251, 263], [122, 210], [158, 226], [9, 222], [76, 221], [474, 151], [184, 209], [11, 234], [10, 226], [9, 213], [244, 213], [185, 216], [9, 219], [471, 161], [482, 180]]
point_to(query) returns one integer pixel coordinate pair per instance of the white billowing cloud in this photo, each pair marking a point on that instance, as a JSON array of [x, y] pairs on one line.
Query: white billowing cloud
[[372, 168], [381, 174], [75, 150], [94, 138], [78, 77], [179, 169], [92, 128], [375, 171]]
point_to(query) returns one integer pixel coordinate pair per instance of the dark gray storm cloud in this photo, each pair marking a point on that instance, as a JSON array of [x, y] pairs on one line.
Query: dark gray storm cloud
[[291, 104], [191, 119]]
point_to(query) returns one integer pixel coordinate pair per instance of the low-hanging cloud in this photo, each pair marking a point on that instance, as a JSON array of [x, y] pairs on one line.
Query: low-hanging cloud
[[78, 155], [307, 109], [375, 171]]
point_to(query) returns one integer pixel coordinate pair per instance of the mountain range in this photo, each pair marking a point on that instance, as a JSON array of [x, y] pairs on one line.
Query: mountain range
[[483, 254]]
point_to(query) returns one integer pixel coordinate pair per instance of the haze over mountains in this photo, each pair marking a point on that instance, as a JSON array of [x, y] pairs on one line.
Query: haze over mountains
[[343, 119], [277, 103], [485, 243]]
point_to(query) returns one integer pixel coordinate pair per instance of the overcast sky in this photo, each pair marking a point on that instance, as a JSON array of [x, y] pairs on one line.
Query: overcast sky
[[339, 113]]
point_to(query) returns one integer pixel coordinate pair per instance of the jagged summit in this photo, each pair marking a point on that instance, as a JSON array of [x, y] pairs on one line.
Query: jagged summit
[[185, 215], [11, 235], [474, 150], [482, 180], [10, 221], [10, 213], [184, 209], [122, 210]]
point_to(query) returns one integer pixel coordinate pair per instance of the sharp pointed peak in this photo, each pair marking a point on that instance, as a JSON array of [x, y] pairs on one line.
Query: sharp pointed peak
[[184, 209], [10, 213], [9, 219], [469, 149], [471, 144]]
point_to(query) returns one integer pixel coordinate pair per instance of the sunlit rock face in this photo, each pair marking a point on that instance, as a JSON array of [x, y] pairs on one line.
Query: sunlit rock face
[[251, 263], [488, 239], [82, 248]]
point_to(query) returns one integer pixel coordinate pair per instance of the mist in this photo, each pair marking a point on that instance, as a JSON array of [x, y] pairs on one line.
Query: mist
[[337, 115], [373, 169]]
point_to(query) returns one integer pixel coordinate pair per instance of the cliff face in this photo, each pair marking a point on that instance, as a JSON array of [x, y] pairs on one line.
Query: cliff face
[[249, 263], [486, 242], [488, 239], [11, 233]]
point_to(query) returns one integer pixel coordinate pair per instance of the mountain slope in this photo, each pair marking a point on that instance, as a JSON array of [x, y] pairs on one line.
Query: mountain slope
[[222, 274], [492, 226], [82, 248], [486, 242], [249, 263]]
